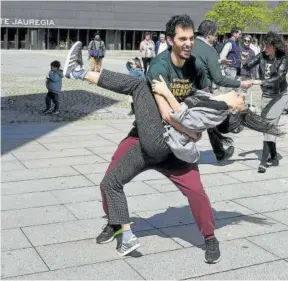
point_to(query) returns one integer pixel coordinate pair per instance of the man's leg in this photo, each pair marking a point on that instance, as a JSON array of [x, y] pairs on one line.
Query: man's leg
[[92, 64], [99, 64], [187, 178]]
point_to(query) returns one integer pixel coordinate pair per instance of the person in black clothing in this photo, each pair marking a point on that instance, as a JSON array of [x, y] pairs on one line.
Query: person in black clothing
[[273, 67]]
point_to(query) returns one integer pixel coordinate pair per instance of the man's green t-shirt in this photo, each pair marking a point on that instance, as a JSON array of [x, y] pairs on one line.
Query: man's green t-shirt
[[183, 81]]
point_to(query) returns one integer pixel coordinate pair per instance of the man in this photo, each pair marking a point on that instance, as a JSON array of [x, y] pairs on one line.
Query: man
[[231, 51], [96, 52], [207, 55], [147, 50], [182, 72], [161, 45]]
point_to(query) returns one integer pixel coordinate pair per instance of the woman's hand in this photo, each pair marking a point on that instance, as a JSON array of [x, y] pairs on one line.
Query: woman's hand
[[160, 87]]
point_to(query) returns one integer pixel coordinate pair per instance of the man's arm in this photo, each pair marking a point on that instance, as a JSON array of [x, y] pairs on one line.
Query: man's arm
[[227, 48], [216, 74], [165, 109], [103, 48]]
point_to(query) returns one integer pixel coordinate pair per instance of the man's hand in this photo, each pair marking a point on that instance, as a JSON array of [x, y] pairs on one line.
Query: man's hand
[[225, 61], [160, 87], [246, 84]]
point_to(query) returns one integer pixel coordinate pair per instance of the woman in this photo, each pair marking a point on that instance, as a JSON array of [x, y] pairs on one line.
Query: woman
[[273, 66], [247, 54]]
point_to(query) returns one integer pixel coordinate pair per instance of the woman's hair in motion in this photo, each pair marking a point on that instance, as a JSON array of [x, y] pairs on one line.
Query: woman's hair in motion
[[275, 40], [257, 123]]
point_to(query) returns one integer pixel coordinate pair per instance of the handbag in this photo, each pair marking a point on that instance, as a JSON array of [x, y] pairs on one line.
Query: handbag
[[96, 52]]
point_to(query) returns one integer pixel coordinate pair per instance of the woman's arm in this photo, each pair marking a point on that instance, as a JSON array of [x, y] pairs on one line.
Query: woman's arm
[[160, 88], [250, 63]]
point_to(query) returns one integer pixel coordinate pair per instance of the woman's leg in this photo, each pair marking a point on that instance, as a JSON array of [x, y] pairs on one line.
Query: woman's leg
[[148, 120], [272, 110]]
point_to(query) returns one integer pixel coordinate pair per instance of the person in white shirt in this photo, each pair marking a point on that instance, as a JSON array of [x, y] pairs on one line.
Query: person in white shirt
[[161, 45]]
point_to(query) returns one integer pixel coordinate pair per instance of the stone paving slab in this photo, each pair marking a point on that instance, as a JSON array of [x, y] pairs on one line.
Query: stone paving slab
[[61, 162], [281, 216], [118, 270], [53, 154], [20, 262], [35, 216], [13, 165], [10, 176], [187, 263], [276, 270], [247, 189], [226, 229], [265, 203], [12, 239], [29, 200], [268, 242], [55, 183]]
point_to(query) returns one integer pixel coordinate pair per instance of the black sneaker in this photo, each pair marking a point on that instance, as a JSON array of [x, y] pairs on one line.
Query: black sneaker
[[108, 234], [212, 253], [46, 111], [128, 246], [227, 154], [262, 169], [55, 112], [73, 67], [272, 162]]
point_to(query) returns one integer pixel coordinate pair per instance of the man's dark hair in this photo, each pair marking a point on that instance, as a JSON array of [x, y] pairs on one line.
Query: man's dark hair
[[184, 21], [275, 40], [235, 30], [147, 33], [207, 27], [55, 63]]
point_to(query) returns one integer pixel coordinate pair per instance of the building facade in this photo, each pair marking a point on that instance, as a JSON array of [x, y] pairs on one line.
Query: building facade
[[55, 25], [122, 24]]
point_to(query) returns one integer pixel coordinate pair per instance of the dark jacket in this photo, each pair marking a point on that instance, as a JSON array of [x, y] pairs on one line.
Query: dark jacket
[[275, 82], [234, 55], [208, 56], [245, 72]]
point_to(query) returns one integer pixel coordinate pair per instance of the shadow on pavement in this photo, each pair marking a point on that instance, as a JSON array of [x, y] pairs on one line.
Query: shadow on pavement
[[186, 231], [74, 105]]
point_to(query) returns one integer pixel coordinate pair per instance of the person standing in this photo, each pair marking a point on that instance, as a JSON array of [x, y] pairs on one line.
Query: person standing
[[147, 50], [247, 54], [161, 45], [231, 51], [96, 52], [273, 67]]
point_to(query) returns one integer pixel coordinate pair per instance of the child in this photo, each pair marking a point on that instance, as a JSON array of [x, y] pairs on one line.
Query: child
[[53, 85], [134, 66]]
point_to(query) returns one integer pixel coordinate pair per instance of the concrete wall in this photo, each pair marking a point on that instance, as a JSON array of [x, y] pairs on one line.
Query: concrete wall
[[136, 15]]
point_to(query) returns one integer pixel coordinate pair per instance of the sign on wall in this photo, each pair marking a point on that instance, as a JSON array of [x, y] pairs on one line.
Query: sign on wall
[[26, 22]]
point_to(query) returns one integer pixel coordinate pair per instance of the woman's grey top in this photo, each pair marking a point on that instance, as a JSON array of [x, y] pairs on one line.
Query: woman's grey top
[[196, 119]]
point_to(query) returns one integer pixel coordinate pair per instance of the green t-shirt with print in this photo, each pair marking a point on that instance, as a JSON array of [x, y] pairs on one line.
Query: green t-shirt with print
[[183, 81]]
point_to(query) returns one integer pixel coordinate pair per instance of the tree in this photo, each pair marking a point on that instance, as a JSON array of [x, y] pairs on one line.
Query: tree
[[280, 16], [248, 16]]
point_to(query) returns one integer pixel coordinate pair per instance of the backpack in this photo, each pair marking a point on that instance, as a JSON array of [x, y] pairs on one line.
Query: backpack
[[96, 52]]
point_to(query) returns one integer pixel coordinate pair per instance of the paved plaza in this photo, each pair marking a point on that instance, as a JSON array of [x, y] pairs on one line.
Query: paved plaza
[[51, 203]]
